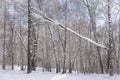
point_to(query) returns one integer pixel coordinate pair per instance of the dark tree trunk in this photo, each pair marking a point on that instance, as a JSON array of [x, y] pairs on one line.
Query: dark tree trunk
[[12, 53], [111, 45], [34, 49], [30, 41]]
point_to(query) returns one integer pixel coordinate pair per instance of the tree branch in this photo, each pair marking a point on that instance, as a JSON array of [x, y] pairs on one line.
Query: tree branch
[[63, 26]]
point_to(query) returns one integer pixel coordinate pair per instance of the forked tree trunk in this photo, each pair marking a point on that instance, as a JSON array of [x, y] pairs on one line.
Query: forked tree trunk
[[93, 28]]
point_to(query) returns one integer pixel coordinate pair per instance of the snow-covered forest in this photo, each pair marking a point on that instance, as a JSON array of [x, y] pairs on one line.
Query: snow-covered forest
[[59, 39]]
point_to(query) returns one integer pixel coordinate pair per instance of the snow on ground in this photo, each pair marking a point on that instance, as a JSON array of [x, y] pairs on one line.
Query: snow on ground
[[37, 75]]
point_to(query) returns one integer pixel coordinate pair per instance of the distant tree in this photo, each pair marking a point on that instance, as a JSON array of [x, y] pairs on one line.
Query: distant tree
[[4, 33]]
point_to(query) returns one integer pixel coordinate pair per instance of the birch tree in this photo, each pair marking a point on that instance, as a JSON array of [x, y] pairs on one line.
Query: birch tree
[[92, 13], [111, 45]]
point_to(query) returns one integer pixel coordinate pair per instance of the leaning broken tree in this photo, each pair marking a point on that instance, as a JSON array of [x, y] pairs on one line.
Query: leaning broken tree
[[47, 19]]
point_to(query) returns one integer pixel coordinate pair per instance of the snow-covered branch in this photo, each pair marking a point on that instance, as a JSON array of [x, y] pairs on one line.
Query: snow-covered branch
[[38, 16], [72, 31]]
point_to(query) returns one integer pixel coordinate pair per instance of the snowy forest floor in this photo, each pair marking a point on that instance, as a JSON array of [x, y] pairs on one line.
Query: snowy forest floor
[[38, 75]]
